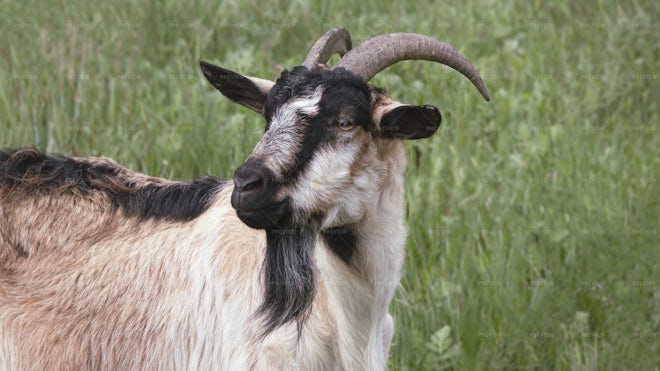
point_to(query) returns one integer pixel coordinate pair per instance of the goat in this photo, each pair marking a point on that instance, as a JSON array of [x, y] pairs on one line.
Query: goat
[[291, 266]]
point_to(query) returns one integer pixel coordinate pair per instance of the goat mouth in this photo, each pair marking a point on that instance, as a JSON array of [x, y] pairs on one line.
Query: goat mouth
[[267, 216]]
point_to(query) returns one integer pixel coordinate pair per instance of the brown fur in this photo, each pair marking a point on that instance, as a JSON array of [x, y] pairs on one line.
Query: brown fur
[[71, 275], [94, 301]]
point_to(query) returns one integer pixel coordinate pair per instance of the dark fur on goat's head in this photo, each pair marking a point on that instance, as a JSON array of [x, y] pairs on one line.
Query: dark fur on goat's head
[[331, 144]]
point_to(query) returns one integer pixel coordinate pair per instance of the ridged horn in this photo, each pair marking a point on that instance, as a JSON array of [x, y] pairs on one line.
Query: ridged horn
[[337, 40], [379, 52]]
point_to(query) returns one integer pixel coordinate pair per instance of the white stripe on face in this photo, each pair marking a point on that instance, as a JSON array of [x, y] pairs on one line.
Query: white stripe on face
[[279, 145], [332, 183], [308, 106]]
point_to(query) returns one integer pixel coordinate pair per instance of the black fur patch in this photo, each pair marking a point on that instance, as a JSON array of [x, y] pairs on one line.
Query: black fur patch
[[288, 277], [33, 172], [341, 241]]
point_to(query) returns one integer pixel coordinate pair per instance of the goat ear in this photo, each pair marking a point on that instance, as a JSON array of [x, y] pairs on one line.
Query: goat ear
[[250, 92], [408, 122]]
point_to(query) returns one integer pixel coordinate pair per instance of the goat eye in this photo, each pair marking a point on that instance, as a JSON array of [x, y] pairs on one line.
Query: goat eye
[[345, 125]]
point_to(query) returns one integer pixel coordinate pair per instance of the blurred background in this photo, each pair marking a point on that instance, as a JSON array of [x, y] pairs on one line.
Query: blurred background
[[534, 219]]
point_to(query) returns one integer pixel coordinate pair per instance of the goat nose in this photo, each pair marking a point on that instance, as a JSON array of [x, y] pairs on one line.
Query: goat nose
[[254, 186], [250, 185]]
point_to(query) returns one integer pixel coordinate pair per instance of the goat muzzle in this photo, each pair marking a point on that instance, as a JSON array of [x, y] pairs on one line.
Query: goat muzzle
[[253, 197]]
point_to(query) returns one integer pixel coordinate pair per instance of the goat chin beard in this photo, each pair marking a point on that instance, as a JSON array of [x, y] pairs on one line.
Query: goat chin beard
[[288, 273]]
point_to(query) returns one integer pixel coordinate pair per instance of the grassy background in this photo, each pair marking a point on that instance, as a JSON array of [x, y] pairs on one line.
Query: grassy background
[[534, 219]]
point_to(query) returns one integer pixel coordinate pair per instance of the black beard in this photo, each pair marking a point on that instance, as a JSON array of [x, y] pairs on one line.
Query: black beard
[[289, 278]]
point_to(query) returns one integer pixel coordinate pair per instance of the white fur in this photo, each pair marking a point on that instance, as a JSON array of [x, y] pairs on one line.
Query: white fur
[[328, 184]]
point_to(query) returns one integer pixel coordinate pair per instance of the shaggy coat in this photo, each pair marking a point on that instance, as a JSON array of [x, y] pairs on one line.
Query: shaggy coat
[[291, 266]]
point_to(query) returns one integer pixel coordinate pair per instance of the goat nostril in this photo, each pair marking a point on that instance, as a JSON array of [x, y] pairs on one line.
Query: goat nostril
[[252, 183]]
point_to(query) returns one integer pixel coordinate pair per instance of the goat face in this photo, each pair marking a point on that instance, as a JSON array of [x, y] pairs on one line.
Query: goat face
[[323, 157]]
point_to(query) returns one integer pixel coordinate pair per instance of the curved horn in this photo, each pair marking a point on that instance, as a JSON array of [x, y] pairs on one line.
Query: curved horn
[[379, 52], [337, 40]]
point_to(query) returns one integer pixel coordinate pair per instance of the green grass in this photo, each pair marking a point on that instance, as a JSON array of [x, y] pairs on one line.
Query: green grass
[[534, 219]]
